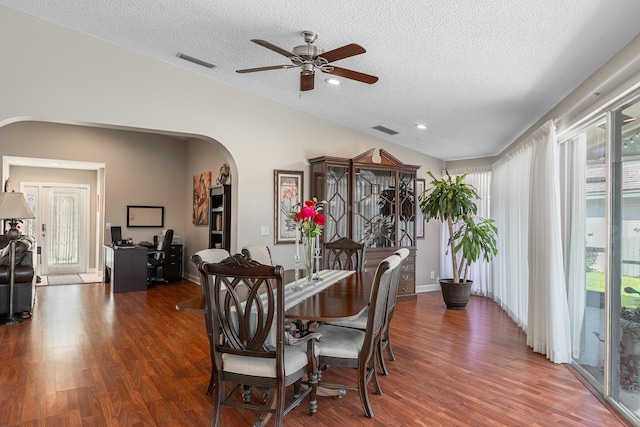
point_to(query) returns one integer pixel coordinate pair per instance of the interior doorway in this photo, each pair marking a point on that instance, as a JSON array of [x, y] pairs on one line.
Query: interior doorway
[[70, 176]]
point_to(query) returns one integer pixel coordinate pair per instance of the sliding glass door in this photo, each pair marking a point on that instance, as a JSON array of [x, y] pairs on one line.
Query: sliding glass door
[[625, 257], [601, 235]]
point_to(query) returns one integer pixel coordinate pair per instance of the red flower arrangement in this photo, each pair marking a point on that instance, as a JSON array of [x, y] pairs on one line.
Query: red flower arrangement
[[309, 218]]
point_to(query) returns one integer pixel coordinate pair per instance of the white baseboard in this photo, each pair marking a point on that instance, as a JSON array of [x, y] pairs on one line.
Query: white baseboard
[[427, 288], [192, 278]]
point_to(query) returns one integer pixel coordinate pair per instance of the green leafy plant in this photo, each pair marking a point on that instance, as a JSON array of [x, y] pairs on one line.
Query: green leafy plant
[[452, 201]]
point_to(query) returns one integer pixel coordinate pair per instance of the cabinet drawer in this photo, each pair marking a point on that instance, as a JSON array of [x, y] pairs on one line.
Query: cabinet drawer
[[406, 289], [173, 257]]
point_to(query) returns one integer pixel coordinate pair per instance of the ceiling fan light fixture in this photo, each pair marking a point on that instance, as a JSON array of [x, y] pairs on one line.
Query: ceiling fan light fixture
[[332, 81], [310, 57]]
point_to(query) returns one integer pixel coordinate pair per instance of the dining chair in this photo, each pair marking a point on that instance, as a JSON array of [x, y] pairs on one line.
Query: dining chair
[[354, 348], [260, 253], [200, 257], [344, 254], [385, 340], [360, 322], [250, 346]]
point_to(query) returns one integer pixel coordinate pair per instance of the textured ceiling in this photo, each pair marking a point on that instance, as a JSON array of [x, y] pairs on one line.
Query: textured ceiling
[[478, 73]]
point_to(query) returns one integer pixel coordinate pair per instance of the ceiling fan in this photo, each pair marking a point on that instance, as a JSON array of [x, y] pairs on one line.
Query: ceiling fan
[[309, 58]]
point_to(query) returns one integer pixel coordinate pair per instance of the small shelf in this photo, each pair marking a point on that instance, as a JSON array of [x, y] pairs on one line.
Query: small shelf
[[220, 216]]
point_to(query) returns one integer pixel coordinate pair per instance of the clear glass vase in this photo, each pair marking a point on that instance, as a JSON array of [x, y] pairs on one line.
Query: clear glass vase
[[308, 250]]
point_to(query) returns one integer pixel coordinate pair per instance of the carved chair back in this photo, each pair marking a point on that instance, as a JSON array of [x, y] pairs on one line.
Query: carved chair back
[[344, 254]]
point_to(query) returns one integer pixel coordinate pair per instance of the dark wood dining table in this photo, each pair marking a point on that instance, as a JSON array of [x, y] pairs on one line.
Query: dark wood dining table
[[345, 299]]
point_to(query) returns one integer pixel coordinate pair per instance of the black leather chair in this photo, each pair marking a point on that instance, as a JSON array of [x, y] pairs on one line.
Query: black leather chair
[[157, 258], [23, 285]]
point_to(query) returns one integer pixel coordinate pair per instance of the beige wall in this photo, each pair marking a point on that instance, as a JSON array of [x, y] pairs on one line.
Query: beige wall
[[91, 82]]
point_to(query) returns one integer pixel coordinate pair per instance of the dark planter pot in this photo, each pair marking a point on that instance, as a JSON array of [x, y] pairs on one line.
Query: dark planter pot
[[455, 295]]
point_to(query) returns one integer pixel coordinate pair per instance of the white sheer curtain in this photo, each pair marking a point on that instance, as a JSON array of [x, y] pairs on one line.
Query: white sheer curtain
[[574, 160], [528, 274], [479, 272], [510, 210], [64, 226], [548, 330]]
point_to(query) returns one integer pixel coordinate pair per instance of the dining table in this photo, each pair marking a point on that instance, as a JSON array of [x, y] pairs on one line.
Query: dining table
[[344, 298]]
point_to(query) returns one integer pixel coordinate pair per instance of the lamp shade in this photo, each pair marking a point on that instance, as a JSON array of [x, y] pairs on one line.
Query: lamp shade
[[14, 206]]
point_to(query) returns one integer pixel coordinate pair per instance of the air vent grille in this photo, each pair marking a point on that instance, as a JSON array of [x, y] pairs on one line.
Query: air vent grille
[[385, 130], [195, 60]]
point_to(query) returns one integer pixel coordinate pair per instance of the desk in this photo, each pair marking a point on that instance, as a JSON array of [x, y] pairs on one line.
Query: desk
[[125, 268], [345, 299]]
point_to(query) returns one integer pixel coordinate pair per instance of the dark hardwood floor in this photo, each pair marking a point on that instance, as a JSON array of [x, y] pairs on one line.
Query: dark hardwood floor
[[90, 358]]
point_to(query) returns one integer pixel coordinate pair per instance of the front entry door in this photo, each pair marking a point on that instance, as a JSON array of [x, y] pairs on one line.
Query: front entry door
[[61, 227]]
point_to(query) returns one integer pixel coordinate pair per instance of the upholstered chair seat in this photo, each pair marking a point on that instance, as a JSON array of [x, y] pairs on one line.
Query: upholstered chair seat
[[340, 342], [359, 322], [295, 358]]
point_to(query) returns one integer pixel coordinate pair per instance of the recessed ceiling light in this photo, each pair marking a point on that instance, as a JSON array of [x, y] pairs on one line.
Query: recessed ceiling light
[[334, 82], [421, 126]]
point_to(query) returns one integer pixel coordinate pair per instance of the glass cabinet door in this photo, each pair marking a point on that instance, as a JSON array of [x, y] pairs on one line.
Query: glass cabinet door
[[374, 205], [407, 206], [337, 198]]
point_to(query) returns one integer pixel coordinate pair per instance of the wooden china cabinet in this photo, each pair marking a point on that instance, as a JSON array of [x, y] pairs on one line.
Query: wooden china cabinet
[[371, 203]]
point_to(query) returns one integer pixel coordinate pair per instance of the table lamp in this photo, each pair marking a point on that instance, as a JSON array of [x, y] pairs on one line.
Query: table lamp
[[13, 207]]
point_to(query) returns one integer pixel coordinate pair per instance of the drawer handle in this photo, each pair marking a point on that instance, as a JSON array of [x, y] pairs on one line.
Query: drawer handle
[[404, 289], [405, 277], [405, 267]]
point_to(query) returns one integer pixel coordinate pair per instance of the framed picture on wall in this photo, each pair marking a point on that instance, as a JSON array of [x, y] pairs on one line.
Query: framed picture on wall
[[201, 184], [288, 187], [420, 183], [145, 216]]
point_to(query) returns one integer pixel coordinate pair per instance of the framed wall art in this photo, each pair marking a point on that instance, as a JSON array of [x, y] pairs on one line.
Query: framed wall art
[[201, 184], [288, 187], [145, 216], [420, 183]]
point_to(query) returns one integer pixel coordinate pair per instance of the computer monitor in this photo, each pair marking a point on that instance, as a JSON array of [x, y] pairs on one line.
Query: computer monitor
[[116, 234]]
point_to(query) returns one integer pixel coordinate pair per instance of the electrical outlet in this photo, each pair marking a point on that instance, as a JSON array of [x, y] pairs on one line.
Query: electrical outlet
[[433, 274], [264, 230], [108, 226]]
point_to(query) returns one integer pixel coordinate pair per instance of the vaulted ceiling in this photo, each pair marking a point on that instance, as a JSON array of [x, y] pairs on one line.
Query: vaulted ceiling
[[477, 73]]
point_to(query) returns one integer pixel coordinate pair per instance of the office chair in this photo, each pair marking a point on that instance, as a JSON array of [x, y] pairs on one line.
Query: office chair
[[157, 258]]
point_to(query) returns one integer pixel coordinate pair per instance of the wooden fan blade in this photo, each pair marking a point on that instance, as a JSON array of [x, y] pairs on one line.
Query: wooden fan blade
[[353, 75], [272, 67], [273, 47], [343, 52], [306, 81]]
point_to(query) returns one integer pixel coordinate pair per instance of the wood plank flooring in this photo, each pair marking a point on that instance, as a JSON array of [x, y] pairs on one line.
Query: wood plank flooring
[[90, 358]]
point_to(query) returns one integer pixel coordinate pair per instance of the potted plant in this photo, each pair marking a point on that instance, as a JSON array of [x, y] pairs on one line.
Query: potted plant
[[451, 200]]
